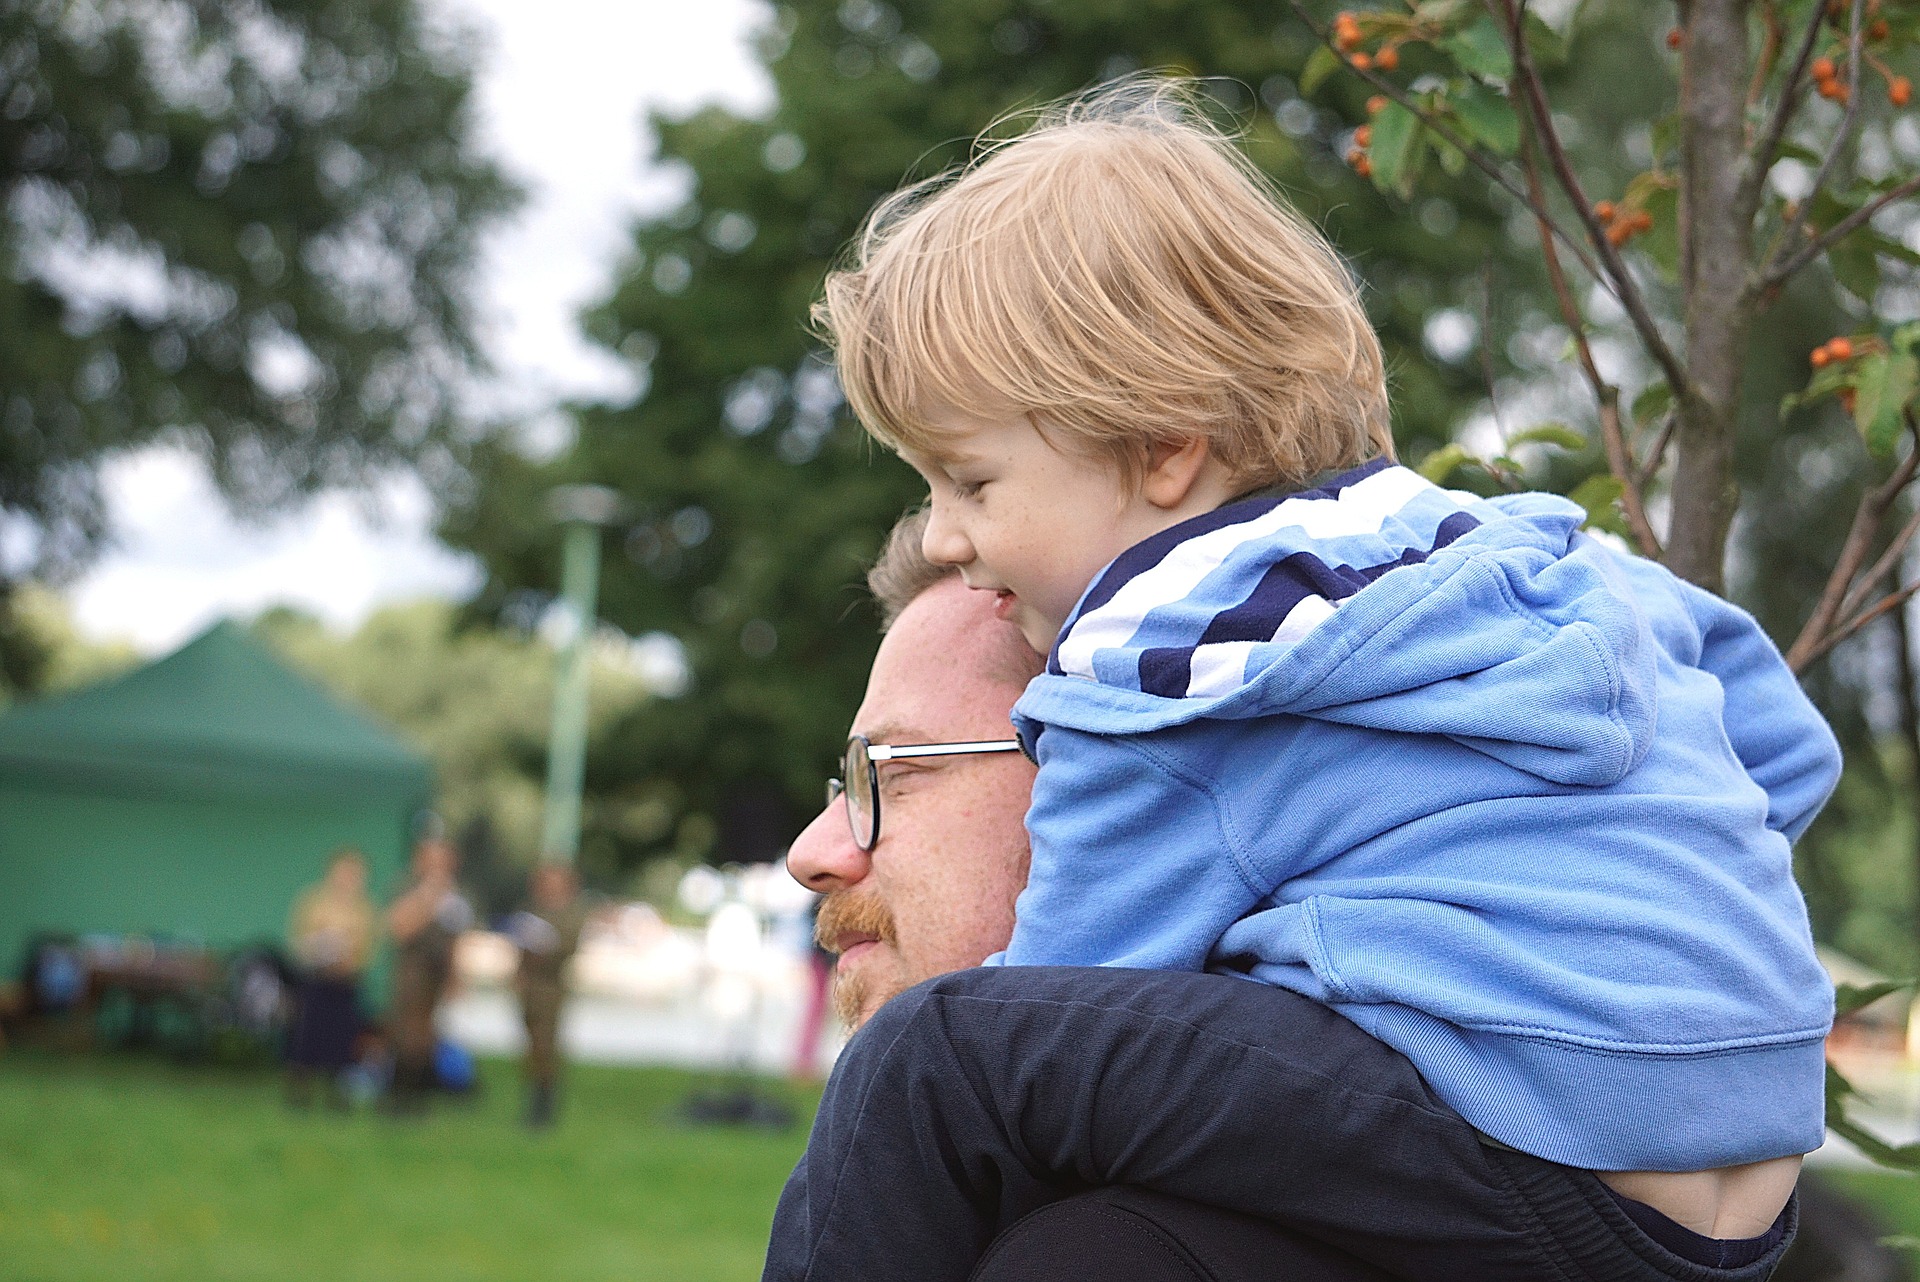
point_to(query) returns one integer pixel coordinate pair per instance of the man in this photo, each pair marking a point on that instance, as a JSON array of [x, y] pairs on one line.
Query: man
[[424, 921], [547, 932], [936, 893], [1169, 1093]]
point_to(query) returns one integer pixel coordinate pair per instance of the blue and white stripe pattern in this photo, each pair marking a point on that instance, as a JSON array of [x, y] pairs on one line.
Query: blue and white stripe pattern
[[1195, 611]]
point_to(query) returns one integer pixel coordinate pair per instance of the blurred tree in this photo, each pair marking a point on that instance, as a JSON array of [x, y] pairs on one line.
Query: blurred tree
[[245, 226], [759, 501], [476, 701]]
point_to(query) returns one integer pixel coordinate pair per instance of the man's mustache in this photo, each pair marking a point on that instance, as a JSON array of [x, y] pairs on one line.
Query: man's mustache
[[848, 913]]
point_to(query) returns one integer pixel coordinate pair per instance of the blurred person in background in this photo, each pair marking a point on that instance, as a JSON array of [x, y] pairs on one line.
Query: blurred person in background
[[424, 921], [547, 933], [330, 933]]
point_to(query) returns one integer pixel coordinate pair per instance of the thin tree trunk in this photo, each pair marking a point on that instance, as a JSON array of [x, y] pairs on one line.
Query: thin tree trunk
[[1717, 247], [1910, 736]]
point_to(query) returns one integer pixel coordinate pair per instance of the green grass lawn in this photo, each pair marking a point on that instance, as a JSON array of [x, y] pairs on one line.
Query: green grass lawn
[[134, 1170], [131, 1169]]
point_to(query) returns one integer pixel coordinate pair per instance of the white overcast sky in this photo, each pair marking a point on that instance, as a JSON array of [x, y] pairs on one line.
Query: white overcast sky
[[563, 90]]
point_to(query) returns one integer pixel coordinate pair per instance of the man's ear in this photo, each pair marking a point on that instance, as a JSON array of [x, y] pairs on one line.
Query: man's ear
[[1173, 468]]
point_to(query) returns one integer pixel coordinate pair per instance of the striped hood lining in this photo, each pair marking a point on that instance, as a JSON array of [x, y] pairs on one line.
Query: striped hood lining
[[1197, 610]]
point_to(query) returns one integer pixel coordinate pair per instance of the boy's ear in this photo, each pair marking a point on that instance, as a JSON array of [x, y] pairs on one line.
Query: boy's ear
[[1173, 468]]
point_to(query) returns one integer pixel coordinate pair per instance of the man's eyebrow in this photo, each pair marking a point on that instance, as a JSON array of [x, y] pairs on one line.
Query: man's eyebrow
[[897, 733]]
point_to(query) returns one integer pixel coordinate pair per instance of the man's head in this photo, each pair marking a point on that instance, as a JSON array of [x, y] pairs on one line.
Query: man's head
[[435, 859], [553, 885], [936, 892], [1120, 275]]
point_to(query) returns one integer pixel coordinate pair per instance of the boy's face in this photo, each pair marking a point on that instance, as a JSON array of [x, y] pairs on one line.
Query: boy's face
[[1023, 519]]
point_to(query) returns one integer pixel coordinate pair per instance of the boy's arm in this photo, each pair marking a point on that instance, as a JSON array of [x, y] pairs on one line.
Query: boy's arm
[[1135, 862], [1775, 730]]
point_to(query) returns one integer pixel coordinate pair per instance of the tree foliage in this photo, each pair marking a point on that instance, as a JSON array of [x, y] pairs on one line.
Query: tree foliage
[[242, 225], [758, 501]]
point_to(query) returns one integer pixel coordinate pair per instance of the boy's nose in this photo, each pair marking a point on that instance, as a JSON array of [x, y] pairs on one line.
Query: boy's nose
[[943, 543]]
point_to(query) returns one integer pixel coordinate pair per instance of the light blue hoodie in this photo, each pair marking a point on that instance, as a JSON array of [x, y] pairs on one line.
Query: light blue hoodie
[[1515, 804]]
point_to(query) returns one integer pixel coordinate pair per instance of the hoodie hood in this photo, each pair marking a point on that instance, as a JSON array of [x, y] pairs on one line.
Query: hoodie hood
[[1377, 600]]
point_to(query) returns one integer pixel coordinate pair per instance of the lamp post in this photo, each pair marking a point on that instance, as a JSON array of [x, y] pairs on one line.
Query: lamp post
[[582, 510]]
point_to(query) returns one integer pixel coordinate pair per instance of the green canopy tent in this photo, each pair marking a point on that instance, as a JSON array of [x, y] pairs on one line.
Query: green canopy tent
[[192, 798]]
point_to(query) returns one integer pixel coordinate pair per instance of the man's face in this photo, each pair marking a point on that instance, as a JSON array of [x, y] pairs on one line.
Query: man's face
[[936, 893]]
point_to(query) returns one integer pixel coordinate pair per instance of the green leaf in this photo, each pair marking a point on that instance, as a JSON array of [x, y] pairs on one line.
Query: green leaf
[[1481, 50], [1856, 267], [1824, 382], [1453, 161], [1848, 998], [1549, 434], [1787, 150], [1901, 1242], [1654, 400], [1321, 63], [1444, 462], [1600, 496], [1395, 131], [1905, 338], [1661, 242], [1488, 118], [1549, 46], [1666, 135], [1882, 386]]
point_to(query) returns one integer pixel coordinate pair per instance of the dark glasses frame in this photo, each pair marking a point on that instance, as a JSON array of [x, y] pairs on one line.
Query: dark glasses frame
[[861, 764]]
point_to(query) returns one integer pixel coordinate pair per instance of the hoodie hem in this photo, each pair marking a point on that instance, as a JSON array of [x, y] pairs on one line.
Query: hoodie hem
[[1611, 1110]]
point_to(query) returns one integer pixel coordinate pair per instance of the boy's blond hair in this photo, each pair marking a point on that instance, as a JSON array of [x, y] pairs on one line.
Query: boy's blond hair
[[1123, 275]]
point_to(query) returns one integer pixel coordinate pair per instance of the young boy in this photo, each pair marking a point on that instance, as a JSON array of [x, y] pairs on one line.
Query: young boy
[[1516, 805]]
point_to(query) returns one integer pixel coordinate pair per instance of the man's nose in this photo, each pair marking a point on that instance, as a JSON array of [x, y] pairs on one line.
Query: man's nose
[[824, 856], [943, 542]]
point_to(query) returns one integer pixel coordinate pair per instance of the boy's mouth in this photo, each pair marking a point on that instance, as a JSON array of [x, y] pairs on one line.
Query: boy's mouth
[[1003, 603]]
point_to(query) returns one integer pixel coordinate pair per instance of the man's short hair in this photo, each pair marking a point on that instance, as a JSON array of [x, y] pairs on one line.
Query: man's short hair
[[1121, 274], [903, 572]]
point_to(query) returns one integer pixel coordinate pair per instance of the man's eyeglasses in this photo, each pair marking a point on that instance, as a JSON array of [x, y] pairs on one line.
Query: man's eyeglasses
[[859, 779]]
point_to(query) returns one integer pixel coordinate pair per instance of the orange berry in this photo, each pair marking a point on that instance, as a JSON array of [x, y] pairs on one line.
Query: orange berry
[[1363, 136], [1823, 69], [1376, 104], [1833, 90], [1841, 349], [1821, 357], [1675, 38], [1846, 399], [1345, 40], [1643, 221], [1900, 91], [1387, 59], [1618, 233], [1362, 61], [1605, 211], [1878, 29], [1363, 167]]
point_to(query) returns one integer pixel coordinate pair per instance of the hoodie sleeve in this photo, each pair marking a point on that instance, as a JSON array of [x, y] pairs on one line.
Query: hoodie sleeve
[[1779, 736], [1134, 862]]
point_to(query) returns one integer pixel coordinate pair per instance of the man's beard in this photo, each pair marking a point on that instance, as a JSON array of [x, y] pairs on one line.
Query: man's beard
[[850, 912]]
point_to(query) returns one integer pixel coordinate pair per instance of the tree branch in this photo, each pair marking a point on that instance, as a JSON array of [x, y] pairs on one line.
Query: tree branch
[[1877, 573], [1619, 456], [1760, 159], [1778, 276], [1817, 635], [1527, 79], [1658, 452], [1476, 155], [1827, 162], [1891, 601]]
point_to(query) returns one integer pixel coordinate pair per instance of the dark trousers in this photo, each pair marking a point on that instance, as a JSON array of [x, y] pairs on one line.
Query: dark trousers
[[1125, 1234], [976, 1098]]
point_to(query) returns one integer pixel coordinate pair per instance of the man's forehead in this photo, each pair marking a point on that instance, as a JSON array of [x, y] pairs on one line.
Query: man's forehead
[[936, 677]]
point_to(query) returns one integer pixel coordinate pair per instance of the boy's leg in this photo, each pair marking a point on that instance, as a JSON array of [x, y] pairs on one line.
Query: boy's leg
[[976, 1097], [1126, 1234]]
